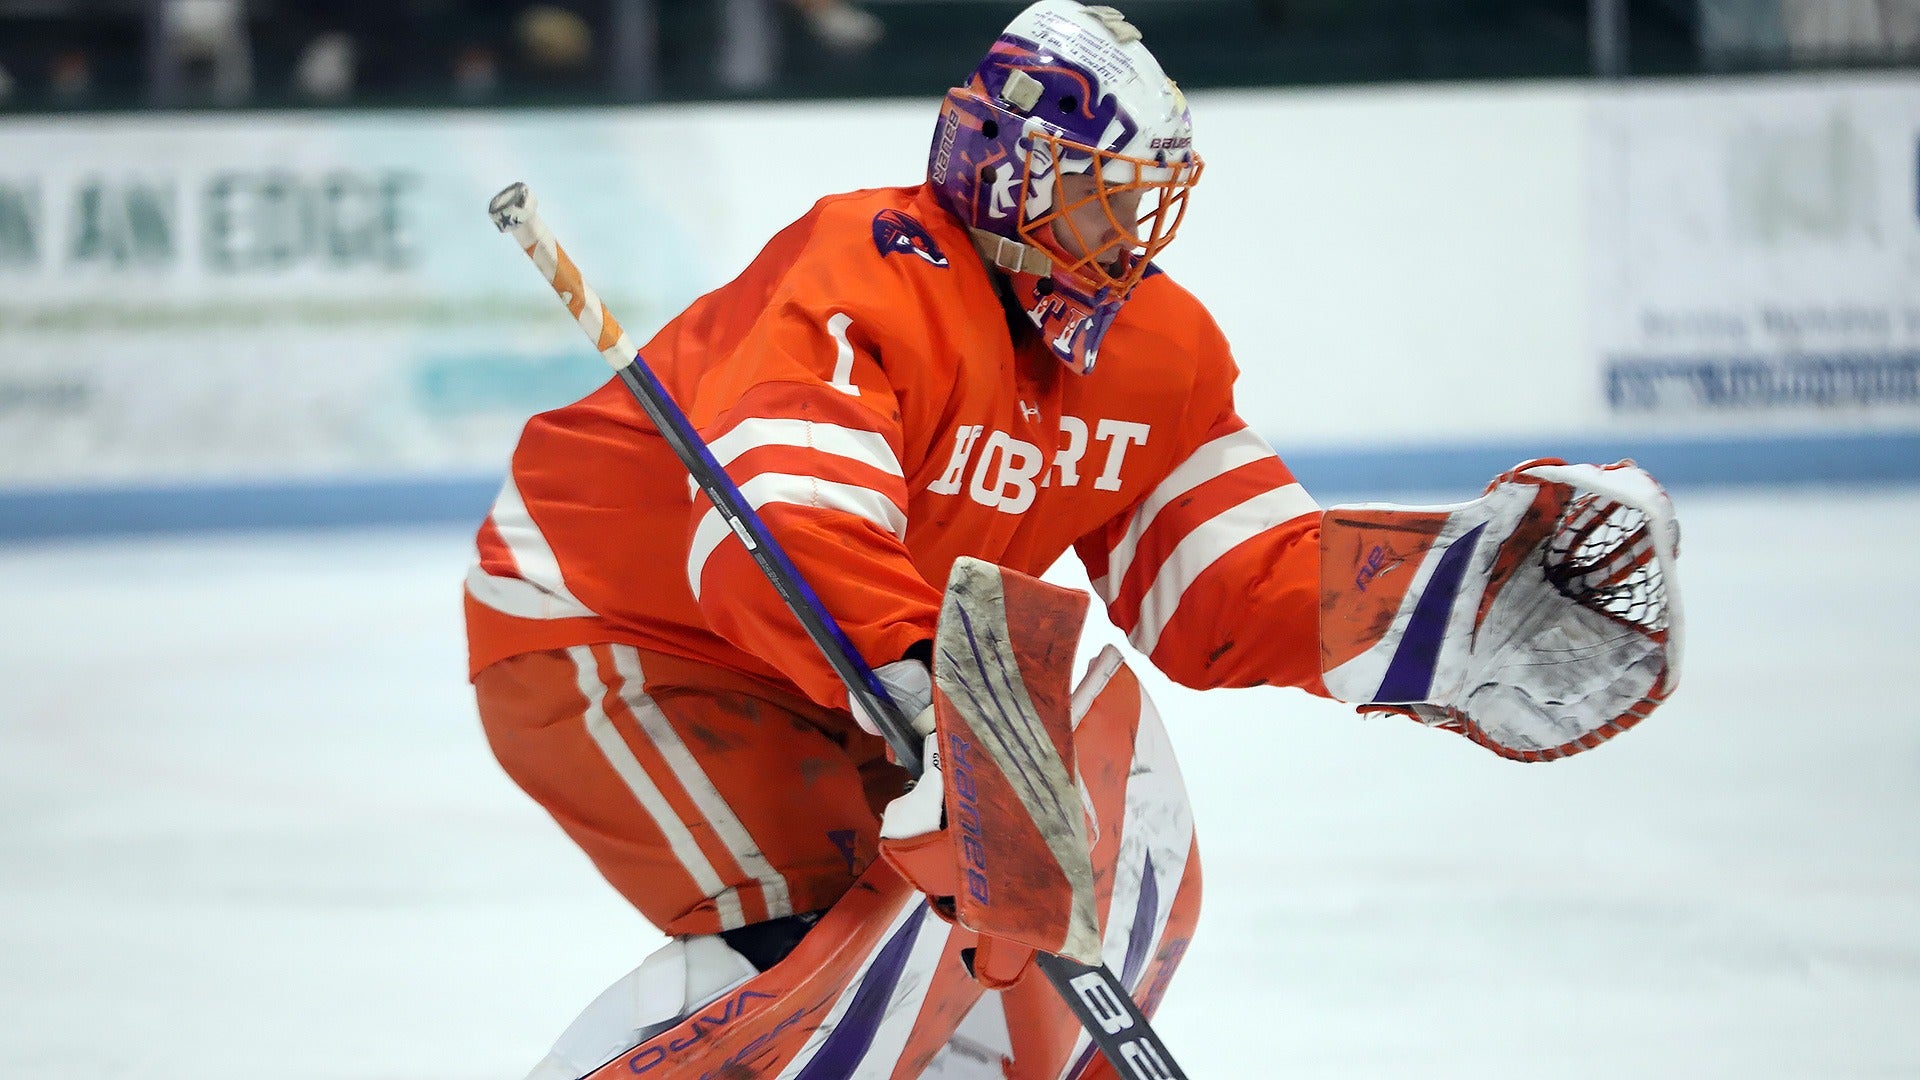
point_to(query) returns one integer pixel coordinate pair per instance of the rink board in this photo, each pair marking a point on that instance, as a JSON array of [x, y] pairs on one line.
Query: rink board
[[221, 320]]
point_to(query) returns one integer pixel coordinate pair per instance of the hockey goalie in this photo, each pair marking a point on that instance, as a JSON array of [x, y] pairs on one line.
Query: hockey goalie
[[928, 394]]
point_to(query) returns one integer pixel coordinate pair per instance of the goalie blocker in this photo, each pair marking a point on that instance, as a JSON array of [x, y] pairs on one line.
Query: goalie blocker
[[1539, 620]]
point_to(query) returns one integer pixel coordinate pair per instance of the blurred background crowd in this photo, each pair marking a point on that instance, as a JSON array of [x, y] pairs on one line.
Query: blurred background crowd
[[113, 54]]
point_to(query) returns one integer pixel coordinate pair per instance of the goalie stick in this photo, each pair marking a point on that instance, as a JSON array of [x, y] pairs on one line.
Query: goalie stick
[[1112, 1019]]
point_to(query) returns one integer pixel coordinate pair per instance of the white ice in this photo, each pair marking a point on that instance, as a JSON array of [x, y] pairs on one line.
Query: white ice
[[249, 828]]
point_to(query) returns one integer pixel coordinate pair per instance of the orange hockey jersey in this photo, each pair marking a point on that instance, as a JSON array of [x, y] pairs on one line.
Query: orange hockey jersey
[[861, 383]]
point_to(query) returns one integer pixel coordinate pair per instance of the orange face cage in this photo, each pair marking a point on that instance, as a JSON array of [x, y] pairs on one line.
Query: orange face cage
[[1142, 203]]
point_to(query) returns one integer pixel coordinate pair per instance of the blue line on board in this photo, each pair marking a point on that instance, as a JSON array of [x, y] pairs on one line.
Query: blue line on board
[[1444, 472]]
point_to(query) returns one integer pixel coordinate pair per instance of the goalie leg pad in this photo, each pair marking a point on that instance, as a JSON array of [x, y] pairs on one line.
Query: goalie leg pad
[[1146, 868], [876, 988], [685, 976]]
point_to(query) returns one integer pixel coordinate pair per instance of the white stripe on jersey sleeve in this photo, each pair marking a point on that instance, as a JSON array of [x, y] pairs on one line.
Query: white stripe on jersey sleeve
[[540, 592], [1203, 547], [769, 488], [1102, 588], [866, 447], [1212, 459]]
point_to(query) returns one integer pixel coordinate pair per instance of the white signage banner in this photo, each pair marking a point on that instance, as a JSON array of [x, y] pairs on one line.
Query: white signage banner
[[191, 297], [1757, 253], [273, 296]]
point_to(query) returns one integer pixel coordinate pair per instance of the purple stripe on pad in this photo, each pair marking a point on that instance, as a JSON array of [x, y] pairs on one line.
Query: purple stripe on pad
[[847, 1045]]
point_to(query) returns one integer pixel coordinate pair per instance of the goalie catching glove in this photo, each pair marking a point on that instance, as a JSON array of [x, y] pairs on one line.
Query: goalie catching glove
[[1539, 620]]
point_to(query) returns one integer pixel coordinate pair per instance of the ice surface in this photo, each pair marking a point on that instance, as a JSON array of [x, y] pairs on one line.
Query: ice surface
[[249, 828]]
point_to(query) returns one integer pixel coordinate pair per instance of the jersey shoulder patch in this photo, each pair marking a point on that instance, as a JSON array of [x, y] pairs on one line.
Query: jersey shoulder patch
[[894, 232]]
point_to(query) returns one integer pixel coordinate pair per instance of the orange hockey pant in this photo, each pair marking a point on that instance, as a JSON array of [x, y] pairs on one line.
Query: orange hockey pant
[[709, 800]]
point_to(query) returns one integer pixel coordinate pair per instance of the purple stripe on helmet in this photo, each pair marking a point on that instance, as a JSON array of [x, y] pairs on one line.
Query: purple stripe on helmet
[[847, 1045], [1073, 99], [1409, 675]]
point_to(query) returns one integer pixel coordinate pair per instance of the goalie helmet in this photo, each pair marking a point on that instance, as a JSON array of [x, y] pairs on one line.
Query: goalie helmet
[[1069, 154]]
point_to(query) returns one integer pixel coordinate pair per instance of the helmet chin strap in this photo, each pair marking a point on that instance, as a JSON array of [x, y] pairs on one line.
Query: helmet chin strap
[[1011, 255], [1070, 325]]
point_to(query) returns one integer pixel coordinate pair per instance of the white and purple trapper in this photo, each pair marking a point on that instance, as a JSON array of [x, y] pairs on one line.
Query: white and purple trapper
[[1063, 87]]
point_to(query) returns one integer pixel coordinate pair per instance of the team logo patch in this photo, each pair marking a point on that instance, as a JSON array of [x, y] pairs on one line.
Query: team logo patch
[[894, 231]]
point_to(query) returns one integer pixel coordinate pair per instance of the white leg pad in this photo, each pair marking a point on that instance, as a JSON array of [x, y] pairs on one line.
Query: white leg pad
[[685, 975], [978, 1048]]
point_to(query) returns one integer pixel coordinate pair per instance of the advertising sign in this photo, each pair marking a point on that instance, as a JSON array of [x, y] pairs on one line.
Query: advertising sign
[[193, 297], [1757, 251]]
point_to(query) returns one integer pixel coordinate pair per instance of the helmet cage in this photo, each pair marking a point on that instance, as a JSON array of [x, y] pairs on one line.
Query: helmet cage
[[1142, 203], [1065, 94]]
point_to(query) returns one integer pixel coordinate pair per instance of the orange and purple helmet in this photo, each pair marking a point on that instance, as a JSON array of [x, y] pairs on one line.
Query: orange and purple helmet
[[1068, 112]]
